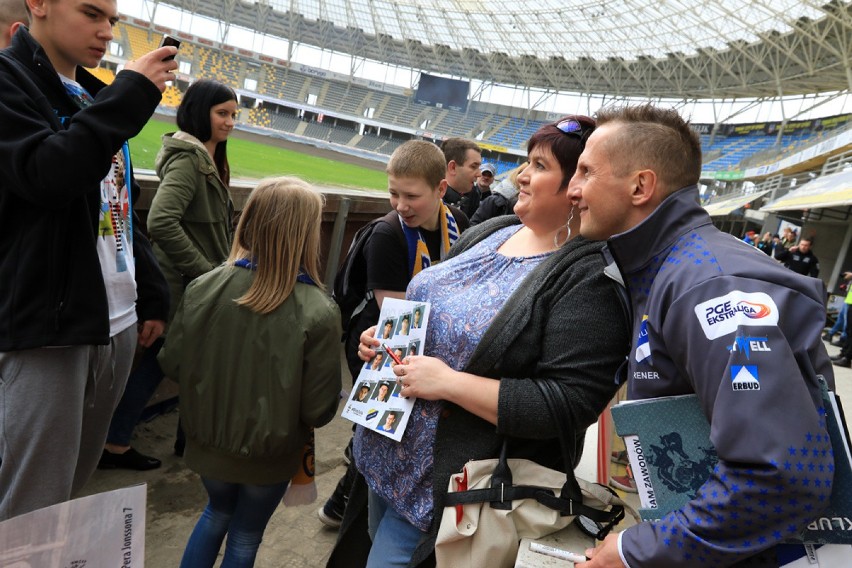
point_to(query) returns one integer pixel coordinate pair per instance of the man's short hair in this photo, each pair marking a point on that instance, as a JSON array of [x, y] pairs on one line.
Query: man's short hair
[[455, 149], [420, 160], [653, 138]]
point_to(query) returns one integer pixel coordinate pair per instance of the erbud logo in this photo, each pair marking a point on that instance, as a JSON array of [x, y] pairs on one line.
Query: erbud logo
[[723, 315]]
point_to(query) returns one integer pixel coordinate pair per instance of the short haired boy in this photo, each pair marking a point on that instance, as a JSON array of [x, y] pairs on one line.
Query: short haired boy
[[416, 185], [71, 290]]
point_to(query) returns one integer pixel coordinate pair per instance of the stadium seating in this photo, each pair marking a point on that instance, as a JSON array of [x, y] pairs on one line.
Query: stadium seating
[[285, 123], [347, 100], [171, 97], [214, 64], [259, 117], [102, 73], [139, 41]]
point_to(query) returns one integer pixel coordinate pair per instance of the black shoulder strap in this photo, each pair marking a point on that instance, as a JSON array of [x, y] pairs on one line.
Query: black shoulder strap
[[392, 219]]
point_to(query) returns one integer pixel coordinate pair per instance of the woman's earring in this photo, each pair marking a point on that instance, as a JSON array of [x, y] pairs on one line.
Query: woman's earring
[[567, 228]]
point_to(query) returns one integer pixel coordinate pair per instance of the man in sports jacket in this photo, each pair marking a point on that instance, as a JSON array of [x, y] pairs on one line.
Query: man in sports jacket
[[718, 318]]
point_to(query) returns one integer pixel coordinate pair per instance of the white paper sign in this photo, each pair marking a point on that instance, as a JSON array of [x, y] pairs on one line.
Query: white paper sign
[[375, 402], [106, 529]]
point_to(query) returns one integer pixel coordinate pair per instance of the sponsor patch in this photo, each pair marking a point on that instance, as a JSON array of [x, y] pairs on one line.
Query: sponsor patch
[[744, 378], [723, 315], [643, 348], [748, 345], [646, 375]]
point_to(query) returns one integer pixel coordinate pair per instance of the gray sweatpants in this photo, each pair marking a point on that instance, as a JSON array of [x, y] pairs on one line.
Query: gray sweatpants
[[55, 409]]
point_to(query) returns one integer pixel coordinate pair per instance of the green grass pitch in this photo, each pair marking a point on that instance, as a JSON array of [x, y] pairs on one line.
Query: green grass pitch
[[253, 160]]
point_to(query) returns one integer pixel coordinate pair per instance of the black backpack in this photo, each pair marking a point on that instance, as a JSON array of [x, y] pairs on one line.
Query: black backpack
[[350, 285]]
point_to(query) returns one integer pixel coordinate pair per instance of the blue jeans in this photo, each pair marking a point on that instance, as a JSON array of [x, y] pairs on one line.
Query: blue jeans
[[840, 324], [239, 510], [394, 538], [141, 384]]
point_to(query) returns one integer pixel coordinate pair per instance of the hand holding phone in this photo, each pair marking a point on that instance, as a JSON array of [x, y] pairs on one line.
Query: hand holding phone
[[169, 40]]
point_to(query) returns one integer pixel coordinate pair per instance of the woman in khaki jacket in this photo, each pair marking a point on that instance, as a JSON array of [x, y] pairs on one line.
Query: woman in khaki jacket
[[190, 223]]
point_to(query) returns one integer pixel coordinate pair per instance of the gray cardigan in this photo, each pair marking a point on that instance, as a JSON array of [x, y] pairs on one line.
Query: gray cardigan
[[565, 324]]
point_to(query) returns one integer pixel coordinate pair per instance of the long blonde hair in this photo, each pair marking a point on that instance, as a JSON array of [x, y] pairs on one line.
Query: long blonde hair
[[279, 232]]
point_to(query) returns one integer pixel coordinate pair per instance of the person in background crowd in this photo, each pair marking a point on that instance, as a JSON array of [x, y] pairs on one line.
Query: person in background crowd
[[502, 199], [844, 359], [800, 259], [777, 246], [257, 328], [485, 180], [698, 299], [190, 224], [788, 237], [766, 245], [463, 158], [840, 324]]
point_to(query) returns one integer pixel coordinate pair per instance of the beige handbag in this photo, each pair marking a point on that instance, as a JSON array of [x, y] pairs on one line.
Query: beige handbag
[[492, 504]]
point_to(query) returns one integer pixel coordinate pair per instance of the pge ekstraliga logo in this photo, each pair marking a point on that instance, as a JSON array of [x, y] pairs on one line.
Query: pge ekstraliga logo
[[723, 315]]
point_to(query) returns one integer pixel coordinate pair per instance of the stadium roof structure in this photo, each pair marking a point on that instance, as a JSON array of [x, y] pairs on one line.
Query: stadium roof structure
[[685, 49]]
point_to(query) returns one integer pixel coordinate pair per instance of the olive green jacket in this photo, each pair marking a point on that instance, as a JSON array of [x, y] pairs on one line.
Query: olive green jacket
[[190, 220], [252, 386]]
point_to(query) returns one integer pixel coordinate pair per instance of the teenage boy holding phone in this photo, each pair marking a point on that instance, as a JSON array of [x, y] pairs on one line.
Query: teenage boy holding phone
[[75, 277]]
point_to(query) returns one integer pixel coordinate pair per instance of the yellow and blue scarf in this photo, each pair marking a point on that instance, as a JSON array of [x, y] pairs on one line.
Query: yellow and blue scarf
[[418, 252]]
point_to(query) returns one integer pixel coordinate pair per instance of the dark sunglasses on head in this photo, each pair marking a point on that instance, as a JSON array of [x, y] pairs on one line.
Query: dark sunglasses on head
[[574, 127]]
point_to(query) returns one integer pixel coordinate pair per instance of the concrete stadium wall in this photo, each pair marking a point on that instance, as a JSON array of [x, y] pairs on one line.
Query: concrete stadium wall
[[344, 213]]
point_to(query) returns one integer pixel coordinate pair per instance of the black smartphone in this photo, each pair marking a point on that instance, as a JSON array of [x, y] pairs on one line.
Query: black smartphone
[[169, 40]]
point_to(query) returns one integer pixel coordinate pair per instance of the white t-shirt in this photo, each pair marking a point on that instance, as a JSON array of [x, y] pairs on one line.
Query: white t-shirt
[[115, 249]]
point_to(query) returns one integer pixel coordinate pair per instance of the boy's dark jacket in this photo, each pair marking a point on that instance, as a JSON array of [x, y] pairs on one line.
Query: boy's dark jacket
[[53, 157]]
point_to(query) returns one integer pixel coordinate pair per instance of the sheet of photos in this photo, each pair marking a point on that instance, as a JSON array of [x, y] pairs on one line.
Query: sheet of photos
[[375, 402]]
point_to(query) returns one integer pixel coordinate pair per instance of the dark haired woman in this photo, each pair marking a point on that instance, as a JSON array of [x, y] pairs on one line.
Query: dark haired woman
[[190, 222], [190, 217]]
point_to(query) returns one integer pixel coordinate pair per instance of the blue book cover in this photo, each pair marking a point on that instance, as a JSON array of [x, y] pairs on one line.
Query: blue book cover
[[668, 443]]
